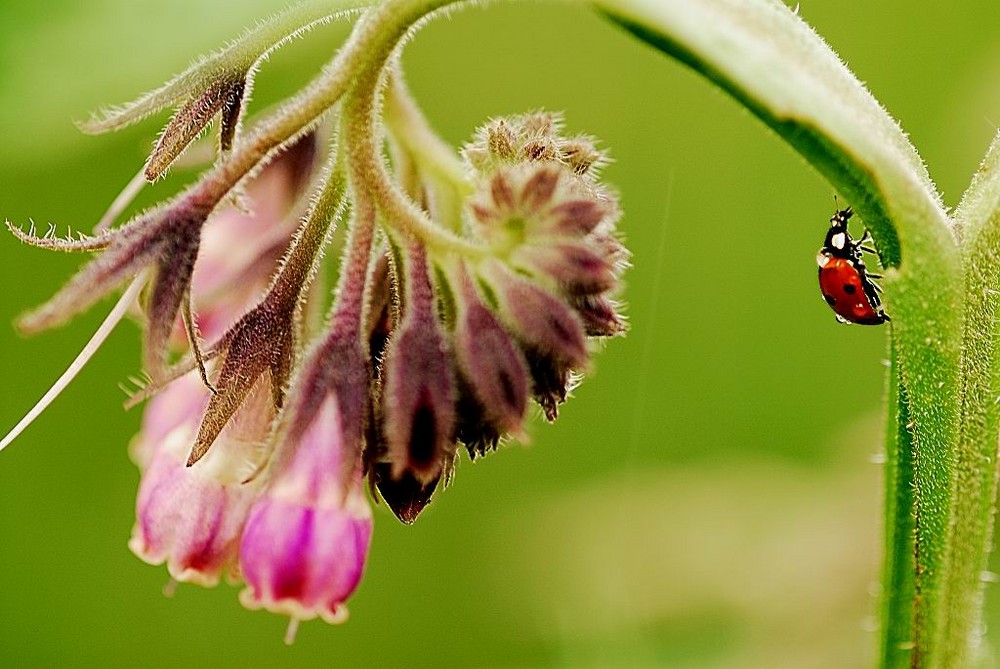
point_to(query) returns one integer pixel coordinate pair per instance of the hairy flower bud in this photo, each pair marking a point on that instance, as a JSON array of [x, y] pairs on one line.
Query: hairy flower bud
[[418, 389], [492, 367]]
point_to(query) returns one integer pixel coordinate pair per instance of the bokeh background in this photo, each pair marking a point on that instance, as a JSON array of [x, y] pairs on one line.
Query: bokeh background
[[709, 498]]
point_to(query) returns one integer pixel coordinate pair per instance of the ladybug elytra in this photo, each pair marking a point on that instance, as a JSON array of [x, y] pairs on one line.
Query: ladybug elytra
[[843, 279]]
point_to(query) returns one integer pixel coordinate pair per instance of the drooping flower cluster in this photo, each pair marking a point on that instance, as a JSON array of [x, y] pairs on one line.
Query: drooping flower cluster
[[465, 290]]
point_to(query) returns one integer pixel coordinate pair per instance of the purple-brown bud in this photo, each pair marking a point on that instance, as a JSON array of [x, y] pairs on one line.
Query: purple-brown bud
[[418, 387], [490, 363], [538, 318]]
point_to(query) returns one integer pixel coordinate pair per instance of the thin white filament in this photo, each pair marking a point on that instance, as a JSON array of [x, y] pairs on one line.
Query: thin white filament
[[117, 313], [123, 200], [291, 631]]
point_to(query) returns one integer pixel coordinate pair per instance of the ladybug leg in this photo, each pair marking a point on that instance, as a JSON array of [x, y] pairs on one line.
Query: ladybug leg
[[874, 276]]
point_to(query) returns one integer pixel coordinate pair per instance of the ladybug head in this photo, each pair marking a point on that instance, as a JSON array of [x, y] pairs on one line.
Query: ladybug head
[[838, 241], [841, 217]]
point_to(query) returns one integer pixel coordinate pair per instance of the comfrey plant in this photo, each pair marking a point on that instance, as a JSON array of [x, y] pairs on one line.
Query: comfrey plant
[[470, 284]]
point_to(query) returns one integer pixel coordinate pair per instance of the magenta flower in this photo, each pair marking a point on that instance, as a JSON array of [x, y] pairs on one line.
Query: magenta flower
[[306, 541]]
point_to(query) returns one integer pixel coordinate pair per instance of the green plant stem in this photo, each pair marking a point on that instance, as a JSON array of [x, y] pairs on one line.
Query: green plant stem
[[978, 221], [363, 139], [898, 567]]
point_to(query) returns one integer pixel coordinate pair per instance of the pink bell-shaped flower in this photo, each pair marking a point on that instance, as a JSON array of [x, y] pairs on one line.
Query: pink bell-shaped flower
[[306, 541], [191, 518]]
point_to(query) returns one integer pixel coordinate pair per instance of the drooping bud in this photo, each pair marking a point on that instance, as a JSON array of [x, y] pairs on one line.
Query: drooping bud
[[418, 388], [192, 517], [537, 317], [306, 540], [405, 496], [492, 368]]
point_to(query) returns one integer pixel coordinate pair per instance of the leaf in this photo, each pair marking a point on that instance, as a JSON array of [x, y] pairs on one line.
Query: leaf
[[766, 57]]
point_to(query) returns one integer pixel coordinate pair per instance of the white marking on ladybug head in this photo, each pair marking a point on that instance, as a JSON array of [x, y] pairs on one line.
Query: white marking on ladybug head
[[822, 259], [838, 240]]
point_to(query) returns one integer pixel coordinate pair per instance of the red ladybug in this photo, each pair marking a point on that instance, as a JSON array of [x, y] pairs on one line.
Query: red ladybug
[[843, 279]]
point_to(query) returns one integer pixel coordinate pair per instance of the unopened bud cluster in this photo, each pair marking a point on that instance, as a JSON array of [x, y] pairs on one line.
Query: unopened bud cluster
[[265, 418]]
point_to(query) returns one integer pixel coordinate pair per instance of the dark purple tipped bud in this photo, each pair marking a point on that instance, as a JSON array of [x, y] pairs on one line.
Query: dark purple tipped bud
[[577, 267], [538, 318], [490, 363], [475, 429], [550, 382], [418, 391], [406, 496]]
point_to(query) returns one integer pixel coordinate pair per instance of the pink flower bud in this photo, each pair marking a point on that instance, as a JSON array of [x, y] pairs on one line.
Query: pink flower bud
[[306, 541], [191, 517]]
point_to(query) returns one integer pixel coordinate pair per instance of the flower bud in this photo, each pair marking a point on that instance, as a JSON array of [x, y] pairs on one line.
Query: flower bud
[[306, 540], [191, 517], [405, 496], [540, 319], [578, 268], [418, 389], [492, 368]]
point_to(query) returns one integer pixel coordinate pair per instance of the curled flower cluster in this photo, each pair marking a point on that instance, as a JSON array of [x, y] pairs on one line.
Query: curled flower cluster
[[466, 288]]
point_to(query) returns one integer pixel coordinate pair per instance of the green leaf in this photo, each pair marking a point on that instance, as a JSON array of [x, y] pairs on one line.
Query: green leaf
[[775, 65]]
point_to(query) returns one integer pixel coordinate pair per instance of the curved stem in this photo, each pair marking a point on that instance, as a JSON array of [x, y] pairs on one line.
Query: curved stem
[[363, 138]]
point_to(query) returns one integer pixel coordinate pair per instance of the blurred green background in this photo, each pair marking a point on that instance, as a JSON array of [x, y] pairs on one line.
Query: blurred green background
[[707, 499]]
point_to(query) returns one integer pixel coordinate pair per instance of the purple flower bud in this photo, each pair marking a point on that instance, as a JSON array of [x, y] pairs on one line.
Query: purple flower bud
[[577, 267], [306, 541], [405, 496], [418, 390], [540, 319], [491, 364]]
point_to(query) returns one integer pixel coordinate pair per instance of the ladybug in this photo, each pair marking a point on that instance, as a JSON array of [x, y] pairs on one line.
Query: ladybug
[[843, 279]]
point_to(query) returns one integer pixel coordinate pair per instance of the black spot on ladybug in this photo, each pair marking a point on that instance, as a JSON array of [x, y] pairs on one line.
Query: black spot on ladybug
[[849, 288], [829, 300]]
